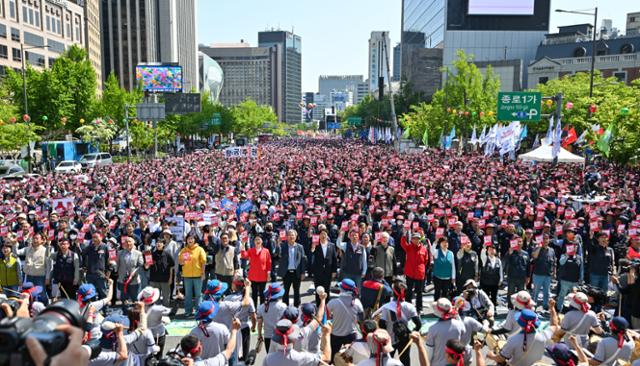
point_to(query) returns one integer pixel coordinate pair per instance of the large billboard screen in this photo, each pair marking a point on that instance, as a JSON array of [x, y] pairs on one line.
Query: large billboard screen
[[501, 7], [159, 78]]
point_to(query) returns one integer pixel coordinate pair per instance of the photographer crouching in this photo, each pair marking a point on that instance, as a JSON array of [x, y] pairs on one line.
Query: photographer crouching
[[629, 287]]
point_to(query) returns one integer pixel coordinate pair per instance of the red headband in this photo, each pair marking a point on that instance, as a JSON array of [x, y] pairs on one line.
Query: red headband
[[584, 305], [400, 296], [457, 356], [285, 336]]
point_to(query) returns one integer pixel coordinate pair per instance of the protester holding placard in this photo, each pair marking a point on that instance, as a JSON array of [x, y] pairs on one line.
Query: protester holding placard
[[544, 269], [444, 269], [161, 271], [570, 271], [601, 261], [65, 271], [259, 268], [323, 262], [491, 273], [226, 261], [517, 268], [192, 258], [384, 255]]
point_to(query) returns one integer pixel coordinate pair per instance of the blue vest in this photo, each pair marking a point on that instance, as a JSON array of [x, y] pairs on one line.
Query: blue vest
[[442, 265], [352, 263]]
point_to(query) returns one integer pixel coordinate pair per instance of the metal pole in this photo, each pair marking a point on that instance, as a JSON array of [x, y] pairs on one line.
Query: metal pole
[[593, 51], [155, 139], [26, 103], [394, 121], [126, 124]]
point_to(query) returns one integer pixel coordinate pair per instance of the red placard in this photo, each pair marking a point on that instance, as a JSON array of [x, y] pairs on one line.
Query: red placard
[[113, 255], [378, 236], [514, 244], [314, 220], [244, 236], [344, 226], [415, 226], [594, 226], [283, 235], [487, 239], [571, 249], [148, 259], [315, 239], [51, 234], [439, 232]]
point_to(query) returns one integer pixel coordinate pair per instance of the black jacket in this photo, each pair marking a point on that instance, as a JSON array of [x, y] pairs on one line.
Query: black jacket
[[322, 266], [162, 264], [300, 259]]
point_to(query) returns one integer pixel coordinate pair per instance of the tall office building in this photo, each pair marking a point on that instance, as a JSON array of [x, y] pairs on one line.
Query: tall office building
[[378, 46], [504, 36], [93, 37], [328, 83], [149, 31], [250, 72], [177, 38], [289, 70], [44, 28], [396, 63]]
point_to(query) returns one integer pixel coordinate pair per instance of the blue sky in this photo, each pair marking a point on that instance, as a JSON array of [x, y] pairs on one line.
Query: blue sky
[[335, 32]]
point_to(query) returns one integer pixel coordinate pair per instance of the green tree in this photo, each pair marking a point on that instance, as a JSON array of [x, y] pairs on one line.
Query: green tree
[[59, 97], [615, 102], [98, 131], [467, 99], [111, 105], [14, 136], [249, 117]]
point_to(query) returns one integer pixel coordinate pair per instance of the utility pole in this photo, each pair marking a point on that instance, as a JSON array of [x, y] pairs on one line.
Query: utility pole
[[394, 121]]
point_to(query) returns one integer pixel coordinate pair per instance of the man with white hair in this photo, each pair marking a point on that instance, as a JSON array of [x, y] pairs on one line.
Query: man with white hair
[[384, 256]]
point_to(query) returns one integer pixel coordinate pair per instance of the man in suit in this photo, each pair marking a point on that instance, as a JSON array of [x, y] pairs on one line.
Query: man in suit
[[324, 263], [292, 266]]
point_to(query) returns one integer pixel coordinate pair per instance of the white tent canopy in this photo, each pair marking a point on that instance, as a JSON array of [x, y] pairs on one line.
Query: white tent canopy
[[544, 153]]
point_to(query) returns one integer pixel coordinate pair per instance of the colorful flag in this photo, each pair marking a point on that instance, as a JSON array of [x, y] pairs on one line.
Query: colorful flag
[[557, 139], [474, 139], [572, 137], [604, 144]]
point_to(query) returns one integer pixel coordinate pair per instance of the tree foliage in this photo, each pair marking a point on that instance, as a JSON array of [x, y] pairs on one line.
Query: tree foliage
[[59, 97], [113, 101], [14, 136], [467, 99], [249, 117], [610, 97], [98, 131]]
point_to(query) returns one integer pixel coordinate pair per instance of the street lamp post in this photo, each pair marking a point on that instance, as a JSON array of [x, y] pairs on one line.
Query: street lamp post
[[24, 94], [593, 41]]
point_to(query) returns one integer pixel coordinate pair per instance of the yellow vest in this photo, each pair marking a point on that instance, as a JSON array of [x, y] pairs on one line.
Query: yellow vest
[[9, 271], [193, 262]]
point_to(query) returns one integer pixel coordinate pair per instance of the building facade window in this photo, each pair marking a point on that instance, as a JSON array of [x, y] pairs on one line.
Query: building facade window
[[15, 34], [33, 40], [543, 80], [35, 59], [55, 46], [16, 54], [3, 31], [12, 9], [621, 76], [4, 52]]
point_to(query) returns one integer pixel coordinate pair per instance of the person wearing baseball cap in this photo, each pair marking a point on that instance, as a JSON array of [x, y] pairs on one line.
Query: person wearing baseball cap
[[528, 346], [617, 346], [491, 272], [346, 311], [309, 323], [449, 326], [286, 334], [214, 336], [270, 312], [562, 354]]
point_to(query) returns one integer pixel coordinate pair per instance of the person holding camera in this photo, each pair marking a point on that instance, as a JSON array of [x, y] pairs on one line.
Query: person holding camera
[[481, 306]]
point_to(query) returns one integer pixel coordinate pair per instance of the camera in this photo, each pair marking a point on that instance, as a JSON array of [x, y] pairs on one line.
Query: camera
[[626, 265], [14, 331], [599, 297]]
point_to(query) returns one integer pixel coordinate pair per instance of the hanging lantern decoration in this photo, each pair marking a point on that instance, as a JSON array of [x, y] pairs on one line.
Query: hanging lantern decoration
[[549, 102], [26, 118], [593, 108], [81, 121], [110, 121], [12, 119], [45, 118], [1, 122], [569, 106], [624, 111], [473, 114], [63, 120], [453, 111], [491, 113], [466, 113], [460, 113], [448, 109], [481, 114]]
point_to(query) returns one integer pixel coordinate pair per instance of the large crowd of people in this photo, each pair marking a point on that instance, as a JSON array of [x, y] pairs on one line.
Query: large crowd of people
[[231, 240]]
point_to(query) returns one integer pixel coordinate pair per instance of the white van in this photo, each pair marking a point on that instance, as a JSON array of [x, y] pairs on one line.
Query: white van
[[96, 159]]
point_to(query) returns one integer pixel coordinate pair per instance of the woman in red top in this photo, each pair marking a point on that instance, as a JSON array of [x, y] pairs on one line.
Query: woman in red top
[[259, 268]]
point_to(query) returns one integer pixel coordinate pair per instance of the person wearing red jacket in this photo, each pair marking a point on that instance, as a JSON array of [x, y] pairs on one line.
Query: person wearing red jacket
[[259, 268], [415, 267]]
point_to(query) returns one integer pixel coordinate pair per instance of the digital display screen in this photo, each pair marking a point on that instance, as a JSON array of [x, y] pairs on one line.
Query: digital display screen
[[501, 7], [159, 78]]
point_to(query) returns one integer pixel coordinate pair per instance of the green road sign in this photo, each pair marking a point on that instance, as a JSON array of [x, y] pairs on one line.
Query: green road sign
[[216, 120], [355, 121], [519, 106]]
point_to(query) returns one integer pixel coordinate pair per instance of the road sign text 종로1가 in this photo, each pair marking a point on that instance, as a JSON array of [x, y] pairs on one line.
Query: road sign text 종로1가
[[519, 106]]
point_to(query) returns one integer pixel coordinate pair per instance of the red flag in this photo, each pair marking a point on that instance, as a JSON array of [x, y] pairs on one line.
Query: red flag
[[572, 137]]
